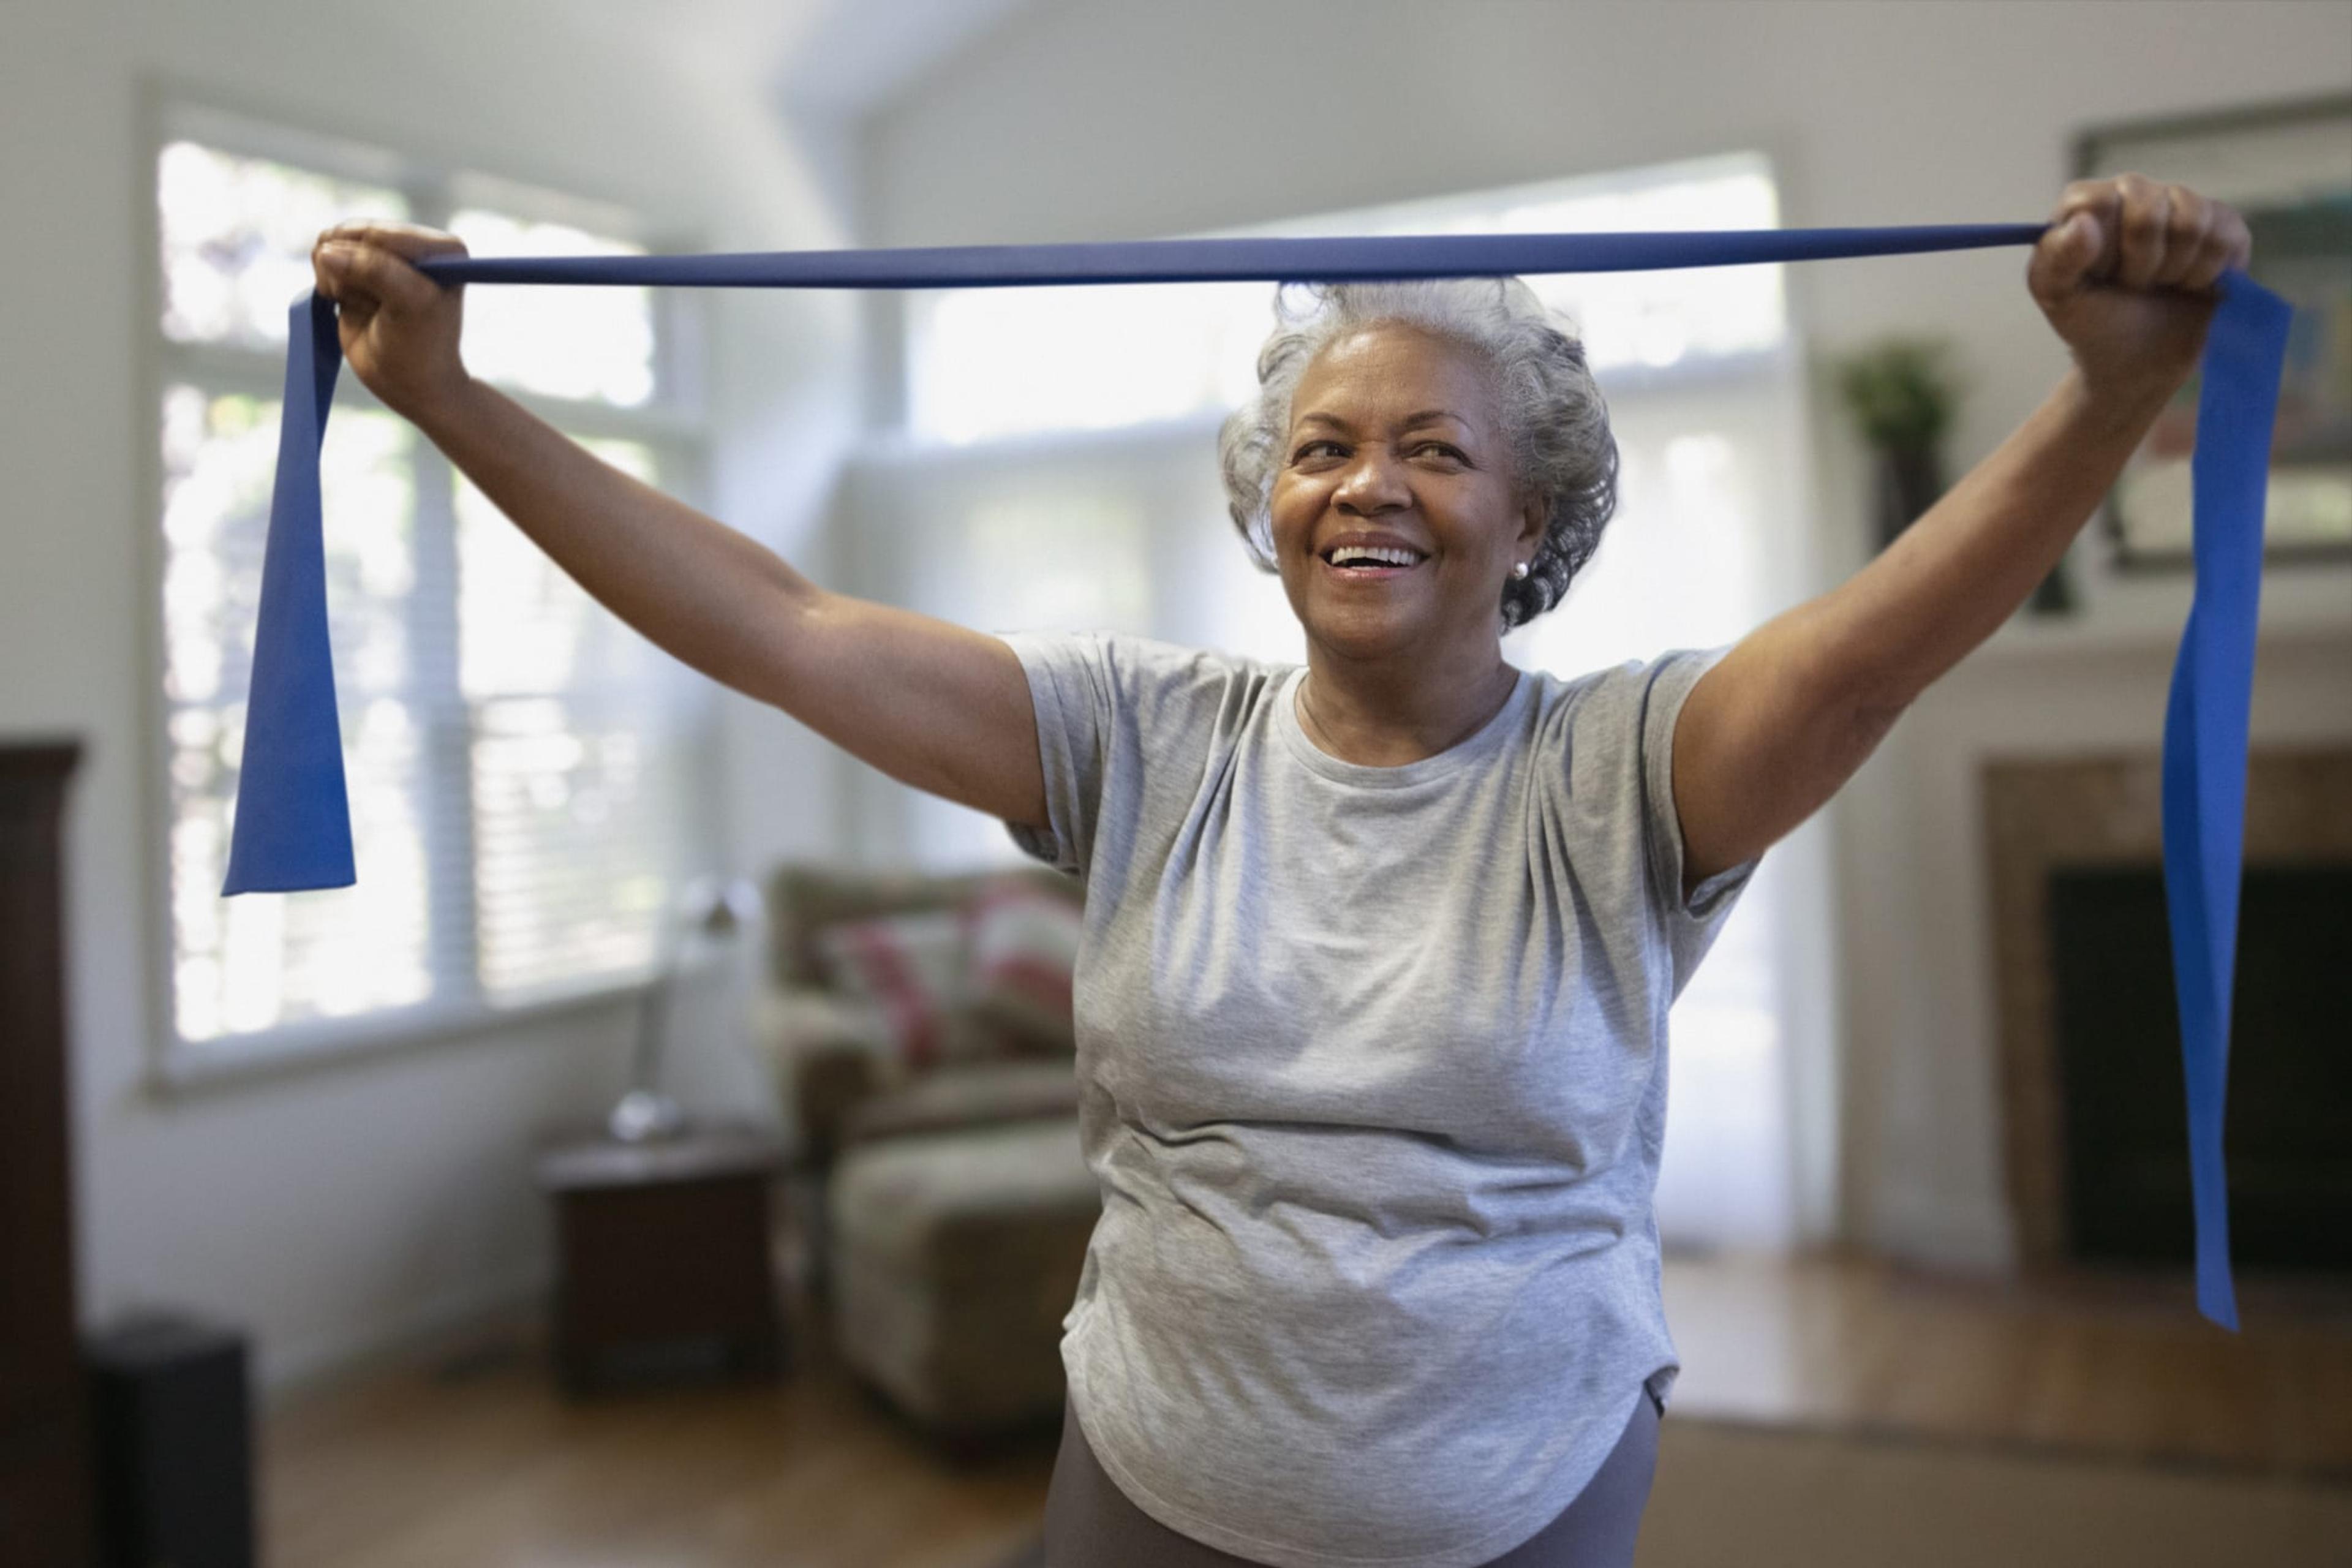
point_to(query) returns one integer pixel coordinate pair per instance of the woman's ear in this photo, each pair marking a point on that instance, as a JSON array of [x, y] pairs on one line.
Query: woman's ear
[[1535, 521]]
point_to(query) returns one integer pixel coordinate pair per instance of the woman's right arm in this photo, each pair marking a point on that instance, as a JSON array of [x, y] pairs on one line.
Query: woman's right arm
[[934, 705]]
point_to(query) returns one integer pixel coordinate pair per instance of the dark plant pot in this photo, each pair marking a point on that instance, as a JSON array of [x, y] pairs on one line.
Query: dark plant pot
[[2055, 594], [1910, 480]]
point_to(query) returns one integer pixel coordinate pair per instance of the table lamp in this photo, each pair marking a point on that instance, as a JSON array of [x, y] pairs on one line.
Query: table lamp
[[707, 909]]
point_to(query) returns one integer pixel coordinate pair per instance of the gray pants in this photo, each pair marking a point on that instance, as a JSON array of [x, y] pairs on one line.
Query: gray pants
[[1090, 1523]]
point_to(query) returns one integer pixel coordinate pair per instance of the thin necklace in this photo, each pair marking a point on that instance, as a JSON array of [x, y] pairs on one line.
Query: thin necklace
[[1307, 707]]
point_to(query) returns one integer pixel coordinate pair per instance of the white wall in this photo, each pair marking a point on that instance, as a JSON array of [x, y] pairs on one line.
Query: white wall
[[1102, 121], [334, 1209]]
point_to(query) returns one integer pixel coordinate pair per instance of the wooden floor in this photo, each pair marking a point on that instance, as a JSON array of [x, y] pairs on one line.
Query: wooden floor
[[468, 1457], [2119, 1366]]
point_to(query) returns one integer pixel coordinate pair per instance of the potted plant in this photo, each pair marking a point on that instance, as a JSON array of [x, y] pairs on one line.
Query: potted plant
[[1902, 393]]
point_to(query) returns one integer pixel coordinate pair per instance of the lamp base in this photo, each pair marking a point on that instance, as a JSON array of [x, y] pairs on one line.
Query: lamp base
[[644, 1117]]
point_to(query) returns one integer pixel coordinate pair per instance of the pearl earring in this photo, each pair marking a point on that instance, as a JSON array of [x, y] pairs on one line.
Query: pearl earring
[[1519, 570]]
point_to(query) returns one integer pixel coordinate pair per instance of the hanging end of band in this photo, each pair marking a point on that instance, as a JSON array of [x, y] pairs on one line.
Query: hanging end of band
[[292, 829], [327, 874], [2217, 1296], [2205, 738]]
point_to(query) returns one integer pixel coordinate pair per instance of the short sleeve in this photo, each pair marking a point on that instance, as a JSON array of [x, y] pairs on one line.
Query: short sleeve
[[1690, 925], [1067, 691], [1128, 732]]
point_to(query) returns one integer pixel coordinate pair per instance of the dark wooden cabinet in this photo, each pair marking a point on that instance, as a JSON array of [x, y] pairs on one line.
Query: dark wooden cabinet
[[46, 1509]]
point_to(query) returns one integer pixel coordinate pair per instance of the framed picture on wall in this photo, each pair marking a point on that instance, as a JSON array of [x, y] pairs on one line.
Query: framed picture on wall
[[2287, 169]]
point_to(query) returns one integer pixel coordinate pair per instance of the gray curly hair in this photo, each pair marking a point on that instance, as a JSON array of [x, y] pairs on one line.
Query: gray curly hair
[[1556, 423]]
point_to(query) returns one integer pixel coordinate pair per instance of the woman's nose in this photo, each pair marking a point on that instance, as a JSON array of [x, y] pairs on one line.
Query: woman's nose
[[1371, 484]]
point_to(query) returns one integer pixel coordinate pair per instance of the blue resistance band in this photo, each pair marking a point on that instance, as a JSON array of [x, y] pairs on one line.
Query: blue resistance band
[[292, 820]]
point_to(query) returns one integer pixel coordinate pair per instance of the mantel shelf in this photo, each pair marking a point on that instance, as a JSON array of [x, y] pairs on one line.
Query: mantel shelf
[[2145, 615]]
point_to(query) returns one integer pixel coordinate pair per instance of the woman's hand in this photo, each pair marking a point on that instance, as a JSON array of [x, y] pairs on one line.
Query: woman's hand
[[2126, 275], [399, 328]]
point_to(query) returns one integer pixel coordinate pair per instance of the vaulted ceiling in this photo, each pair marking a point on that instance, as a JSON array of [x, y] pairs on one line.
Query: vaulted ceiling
[[837, 59]]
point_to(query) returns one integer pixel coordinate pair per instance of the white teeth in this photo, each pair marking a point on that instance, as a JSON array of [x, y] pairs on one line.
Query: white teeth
[[1383, 555]]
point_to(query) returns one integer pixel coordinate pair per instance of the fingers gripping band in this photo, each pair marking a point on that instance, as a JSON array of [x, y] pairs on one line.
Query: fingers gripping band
[[291, 820]]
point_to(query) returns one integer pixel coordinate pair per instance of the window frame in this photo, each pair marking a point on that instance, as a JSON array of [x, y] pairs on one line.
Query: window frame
[[674, 425]]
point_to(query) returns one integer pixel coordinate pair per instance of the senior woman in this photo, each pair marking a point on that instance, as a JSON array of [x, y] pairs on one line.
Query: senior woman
[[1372, 1001]]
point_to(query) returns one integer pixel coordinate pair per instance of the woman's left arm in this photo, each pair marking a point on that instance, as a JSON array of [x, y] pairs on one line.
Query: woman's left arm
[[2126, 275]]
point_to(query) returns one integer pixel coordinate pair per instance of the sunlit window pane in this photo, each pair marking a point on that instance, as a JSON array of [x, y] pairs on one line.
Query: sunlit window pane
[[524, 625], [581, 780], [257, 962], [991, 362], [596, 344], [998, 362], [579, 826], [1657, 317], [236, 238], [220, 453], [478, 688]]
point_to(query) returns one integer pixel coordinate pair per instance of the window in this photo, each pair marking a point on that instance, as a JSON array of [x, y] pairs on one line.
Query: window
[[526, 774], [991, 362]]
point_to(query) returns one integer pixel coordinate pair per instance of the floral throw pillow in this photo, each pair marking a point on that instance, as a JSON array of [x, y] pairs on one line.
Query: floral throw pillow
[[907, 971], [1022, 949]]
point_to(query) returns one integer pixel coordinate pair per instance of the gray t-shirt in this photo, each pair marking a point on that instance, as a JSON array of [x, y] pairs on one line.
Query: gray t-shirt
[[1372, 1073]]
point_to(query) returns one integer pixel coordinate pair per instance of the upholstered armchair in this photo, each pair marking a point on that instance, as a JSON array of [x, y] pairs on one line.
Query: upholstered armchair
[[920, 1027]]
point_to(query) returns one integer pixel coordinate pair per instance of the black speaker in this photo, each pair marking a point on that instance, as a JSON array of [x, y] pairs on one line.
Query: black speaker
[[172, 1426]]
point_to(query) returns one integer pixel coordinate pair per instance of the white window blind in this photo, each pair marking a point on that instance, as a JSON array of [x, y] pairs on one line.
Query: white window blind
[[527, 777]]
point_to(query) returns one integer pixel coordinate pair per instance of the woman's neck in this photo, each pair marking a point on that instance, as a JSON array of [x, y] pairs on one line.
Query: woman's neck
[[1387, 712]]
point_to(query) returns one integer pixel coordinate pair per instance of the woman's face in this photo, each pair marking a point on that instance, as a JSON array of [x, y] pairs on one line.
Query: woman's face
[[1397, 444]]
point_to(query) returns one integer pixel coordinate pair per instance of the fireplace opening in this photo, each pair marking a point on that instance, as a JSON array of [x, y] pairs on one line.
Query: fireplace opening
[[2287, 1126]]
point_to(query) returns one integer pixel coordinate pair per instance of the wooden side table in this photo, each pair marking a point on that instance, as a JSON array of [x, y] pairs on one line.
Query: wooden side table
[[663, 1254]]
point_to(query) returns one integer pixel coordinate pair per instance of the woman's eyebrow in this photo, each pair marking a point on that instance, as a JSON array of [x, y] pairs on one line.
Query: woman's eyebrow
[[1425, 417], [1416, 421]]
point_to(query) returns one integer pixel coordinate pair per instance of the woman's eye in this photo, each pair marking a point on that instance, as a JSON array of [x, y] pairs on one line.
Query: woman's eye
[[1314, 448], [1443, 450]]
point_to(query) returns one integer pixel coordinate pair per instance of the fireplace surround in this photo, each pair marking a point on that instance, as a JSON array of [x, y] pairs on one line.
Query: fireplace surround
[[2044, 815]]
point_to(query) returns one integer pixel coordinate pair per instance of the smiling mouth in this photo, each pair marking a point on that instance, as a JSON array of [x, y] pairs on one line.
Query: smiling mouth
[[1362, 563]]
